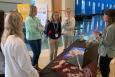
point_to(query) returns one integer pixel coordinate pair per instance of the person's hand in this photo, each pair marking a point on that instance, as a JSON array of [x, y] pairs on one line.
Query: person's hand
[[97, 35]]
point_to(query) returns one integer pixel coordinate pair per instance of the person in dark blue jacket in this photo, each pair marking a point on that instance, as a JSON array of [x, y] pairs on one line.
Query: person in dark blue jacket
[[54, 33]]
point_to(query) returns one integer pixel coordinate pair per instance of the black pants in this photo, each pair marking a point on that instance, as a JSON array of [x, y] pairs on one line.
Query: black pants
[[2, 75], [104, 66]]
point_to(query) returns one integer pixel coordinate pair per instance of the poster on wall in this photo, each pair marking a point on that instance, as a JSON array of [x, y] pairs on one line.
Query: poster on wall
[[23, 9], [42, 13]]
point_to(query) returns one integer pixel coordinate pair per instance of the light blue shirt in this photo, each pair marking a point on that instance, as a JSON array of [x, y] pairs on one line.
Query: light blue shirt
[[33, 28]]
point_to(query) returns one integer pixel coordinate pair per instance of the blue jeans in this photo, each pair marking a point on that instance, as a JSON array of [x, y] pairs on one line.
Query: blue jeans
[[36, 48]]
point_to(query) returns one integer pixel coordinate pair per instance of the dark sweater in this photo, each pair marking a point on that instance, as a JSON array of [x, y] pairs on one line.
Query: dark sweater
[[53, 30]]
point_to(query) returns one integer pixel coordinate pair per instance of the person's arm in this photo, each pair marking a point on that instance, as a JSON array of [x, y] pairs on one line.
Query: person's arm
[[64, 23], [72, 23], [40, 26], [109, 37], [97, 35], [60, 29], [48, 29], [23, 59]]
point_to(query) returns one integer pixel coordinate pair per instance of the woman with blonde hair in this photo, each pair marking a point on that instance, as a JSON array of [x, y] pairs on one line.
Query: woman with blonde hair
[[17, 60], [34, 30], [53, 31]]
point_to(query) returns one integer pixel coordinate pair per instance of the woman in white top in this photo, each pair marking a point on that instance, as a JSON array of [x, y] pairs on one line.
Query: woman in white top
[[68, 25], [17, 60]]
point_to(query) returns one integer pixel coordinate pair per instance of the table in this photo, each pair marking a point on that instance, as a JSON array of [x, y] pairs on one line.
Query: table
[[67, 70]]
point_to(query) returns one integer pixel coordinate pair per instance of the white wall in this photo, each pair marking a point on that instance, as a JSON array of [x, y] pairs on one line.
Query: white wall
[[8, 5], [49, 3]]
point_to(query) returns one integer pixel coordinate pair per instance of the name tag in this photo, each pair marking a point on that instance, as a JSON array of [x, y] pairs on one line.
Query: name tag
[[56, 35]]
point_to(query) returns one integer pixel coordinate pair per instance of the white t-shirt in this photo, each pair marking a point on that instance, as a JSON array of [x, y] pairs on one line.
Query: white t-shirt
[[68, 26], [17, 60]]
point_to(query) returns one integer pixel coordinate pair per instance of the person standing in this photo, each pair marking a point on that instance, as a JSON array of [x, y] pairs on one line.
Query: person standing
[[68, 25], [17, 59], [2, 59], [53, 31], [106, 40], [34, 30]]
